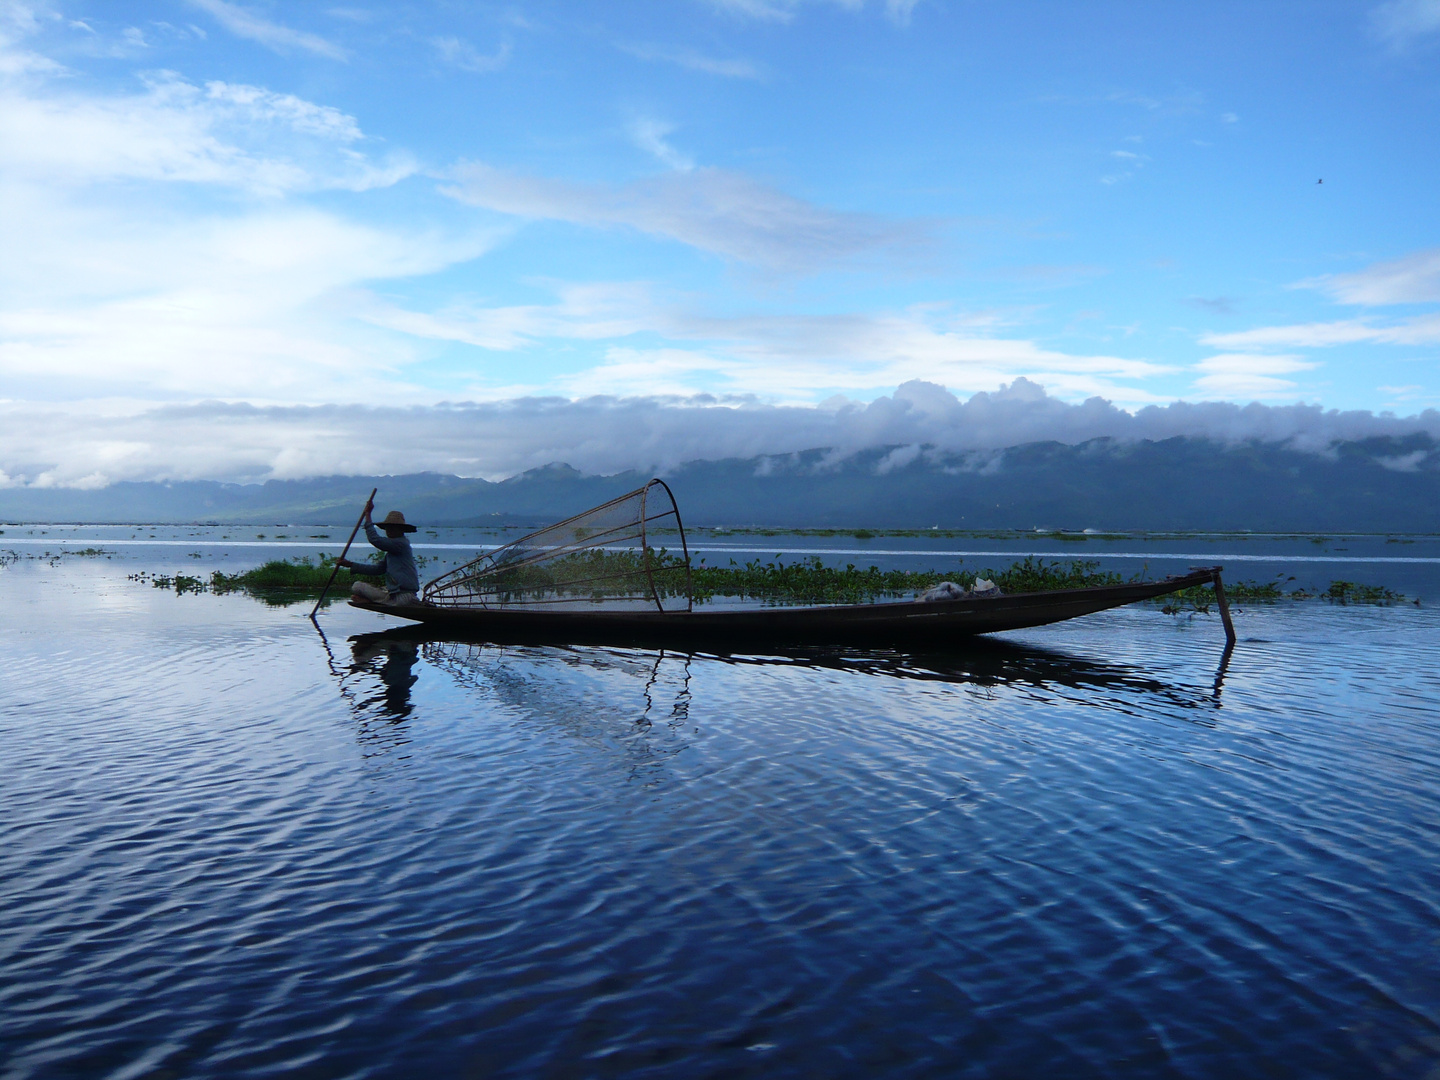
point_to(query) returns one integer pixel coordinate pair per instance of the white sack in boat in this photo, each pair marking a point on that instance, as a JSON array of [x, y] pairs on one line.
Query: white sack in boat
[[948, 590]]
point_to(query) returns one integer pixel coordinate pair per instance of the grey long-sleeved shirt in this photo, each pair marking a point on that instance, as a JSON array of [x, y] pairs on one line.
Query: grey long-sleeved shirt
[[397, 563]]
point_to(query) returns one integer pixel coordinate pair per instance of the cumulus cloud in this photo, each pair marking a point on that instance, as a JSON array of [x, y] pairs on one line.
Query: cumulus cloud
[[246, 23], [607, 434], [716, 210]]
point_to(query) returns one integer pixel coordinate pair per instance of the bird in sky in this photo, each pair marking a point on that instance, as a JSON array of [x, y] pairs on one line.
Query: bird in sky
[[1319, 181]]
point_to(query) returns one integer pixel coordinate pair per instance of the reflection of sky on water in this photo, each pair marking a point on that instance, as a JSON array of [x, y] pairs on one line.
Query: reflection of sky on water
[[234, 845]]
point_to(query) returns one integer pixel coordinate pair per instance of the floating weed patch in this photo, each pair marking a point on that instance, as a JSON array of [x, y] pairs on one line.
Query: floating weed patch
[[1200, 597], [282, 582], [181, 583], [1348, 592], [812, 582]]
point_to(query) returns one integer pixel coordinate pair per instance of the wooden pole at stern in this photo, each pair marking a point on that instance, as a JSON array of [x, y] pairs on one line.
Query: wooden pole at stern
[[358, 521], [1224, 606]]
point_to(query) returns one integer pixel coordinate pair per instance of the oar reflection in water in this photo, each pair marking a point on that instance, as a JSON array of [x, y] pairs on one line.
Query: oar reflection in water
[[393, 661]]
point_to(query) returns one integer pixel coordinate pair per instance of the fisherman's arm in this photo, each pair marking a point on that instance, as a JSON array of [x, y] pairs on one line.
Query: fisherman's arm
[[384, 543]]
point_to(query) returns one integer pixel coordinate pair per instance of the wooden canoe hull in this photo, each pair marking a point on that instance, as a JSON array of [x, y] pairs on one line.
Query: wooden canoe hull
[[910, 622]]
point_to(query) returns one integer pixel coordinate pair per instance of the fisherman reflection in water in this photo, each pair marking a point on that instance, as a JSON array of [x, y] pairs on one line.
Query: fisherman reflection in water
[[397, 671], [396, 562]]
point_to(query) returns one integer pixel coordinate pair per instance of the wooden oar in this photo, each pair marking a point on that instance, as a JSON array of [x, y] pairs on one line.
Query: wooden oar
[[358, 522]]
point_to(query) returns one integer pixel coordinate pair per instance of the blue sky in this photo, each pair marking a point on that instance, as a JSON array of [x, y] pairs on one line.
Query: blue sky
[[785, 210]]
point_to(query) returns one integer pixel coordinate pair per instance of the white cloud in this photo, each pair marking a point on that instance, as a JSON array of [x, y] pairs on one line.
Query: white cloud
[[1249, 375], [1401, 22], [114, 287], [722, 212], [222, 133], [1420, 330], [1413, 279], [254, 306], [606, 434], [899, 11], [649, 135], [695, 61], [785, 11], [466, 57], [245, 23], [799, 358]]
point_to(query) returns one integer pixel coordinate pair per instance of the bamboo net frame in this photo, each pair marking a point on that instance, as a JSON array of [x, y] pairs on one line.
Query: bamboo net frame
[[605, 559]]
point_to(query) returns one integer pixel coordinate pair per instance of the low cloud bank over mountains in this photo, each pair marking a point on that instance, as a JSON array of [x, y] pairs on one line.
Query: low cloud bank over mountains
[[1379, 484], [241, 443]]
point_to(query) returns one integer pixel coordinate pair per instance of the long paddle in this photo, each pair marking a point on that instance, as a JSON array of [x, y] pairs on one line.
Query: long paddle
[[358, 522]]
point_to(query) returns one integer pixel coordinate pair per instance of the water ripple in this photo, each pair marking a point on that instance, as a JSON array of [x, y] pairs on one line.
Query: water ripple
[[233, 849]]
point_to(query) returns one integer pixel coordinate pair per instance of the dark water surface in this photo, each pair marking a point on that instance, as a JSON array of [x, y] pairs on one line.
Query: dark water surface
[[230, 852]]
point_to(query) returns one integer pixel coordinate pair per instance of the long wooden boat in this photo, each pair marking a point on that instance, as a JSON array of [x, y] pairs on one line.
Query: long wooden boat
[[599, 577], [933, 623]]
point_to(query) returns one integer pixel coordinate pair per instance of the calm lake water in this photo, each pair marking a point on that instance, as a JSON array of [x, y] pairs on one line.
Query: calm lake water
[[234, 847]]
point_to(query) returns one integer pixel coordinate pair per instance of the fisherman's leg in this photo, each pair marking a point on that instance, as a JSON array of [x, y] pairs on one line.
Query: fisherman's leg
[[373, 593]]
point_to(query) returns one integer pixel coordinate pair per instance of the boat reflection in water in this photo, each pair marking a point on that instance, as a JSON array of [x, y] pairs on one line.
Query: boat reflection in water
[[649, 688]]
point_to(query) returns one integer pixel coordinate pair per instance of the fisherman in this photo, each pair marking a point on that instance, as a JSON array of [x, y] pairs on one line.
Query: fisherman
[[397, 562]]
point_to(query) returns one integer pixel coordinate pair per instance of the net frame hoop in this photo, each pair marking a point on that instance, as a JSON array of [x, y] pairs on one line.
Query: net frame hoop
[[684, 546], [467, 571]]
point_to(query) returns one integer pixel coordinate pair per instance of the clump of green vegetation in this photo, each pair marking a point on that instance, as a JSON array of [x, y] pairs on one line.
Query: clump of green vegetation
[[278, 581], [1036, 575], [1348, 592], [1200, 597], [181, 583], [807, 582], [297, 575], [812, 582]]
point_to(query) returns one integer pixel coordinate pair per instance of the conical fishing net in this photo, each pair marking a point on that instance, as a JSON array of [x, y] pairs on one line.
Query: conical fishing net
[[628, 554]]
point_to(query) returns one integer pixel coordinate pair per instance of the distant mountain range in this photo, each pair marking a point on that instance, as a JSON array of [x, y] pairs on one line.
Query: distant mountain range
[[1374, 485]]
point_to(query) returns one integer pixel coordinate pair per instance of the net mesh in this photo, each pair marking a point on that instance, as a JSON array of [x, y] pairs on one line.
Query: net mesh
[[615, 557]]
